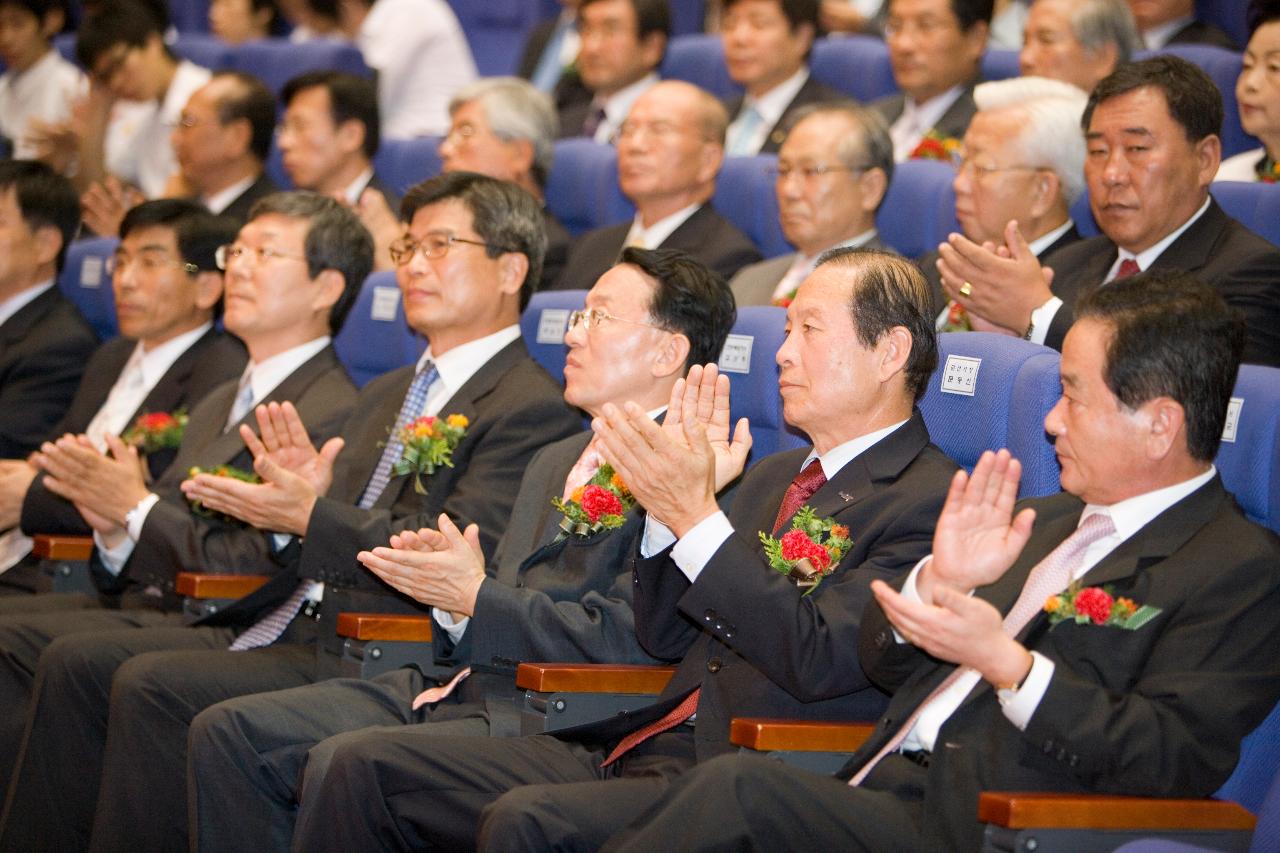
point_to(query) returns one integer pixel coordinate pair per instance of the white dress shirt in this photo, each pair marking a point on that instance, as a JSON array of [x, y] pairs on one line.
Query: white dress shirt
[[1241, 167], [770, 107], [22, 299], [222, 199], [1129, 516], [1157, 37], [618, 105], [804, 264], [918, 119], [657, 233], [357, 187], [136, 147], [45, 91]]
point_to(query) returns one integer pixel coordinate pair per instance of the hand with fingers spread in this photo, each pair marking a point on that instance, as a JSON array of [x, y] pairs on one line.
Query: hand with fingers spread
[[105, 203], [443, 568], [705, 393], [1006, 283], [284, 440], [15, 478], [108, 486]]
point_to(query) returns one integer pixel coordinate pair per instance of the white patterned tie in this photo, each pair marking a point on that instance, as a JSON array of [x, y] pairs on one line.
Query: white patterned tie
[[745, 133], [269, 628], [243, 402], [121, 401], [584, 469], [1049, 577]]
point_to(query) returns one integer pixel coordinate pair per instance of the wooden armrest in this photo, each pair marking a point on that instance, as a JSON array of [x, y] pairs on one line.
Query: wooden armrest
[[798, 735], [1099, 811], [385, 626], [593, 678], [205, 585], [62, 547]]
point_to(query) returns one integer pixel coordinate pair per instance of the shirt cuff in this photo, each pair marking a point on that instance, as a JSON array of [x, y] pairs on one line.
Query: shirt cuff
[[280, 541], [115, 548], [1041, 318], [1021, 705], [909, 590], [696, 548], [657, 537], [455, 629]]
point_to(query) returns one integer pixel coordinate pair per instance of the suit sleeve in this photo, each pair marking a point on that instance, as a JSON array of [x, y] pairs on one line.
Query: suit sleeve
[[39, 386], [659, 585], [1253, 287]]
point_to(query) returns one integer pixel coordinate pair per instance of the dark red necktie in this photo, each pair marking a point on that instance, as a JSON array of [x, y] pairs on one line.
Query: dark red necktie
[[1128, 267], [801, 489]]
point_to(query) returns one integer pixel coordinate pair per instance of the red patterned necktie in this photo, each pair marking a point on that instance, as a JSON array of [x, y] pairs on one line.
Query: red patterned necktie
[[801, 489], [1128, 267]]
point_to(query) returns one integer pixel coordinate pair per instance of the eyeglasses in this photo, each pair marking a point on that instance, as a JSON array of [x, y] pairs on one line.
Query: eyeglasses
[[592, 317], [981, 171], [811, 172], [148, 260], [224, 255], [434, 247]]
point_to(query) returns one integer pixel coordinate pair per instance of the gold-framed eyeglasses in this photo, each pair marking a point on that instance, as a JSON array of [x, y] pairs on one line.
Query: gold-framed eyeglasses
[[811, 171], [224, 255], [147, 260], [967, 164], [433, 247], [592, 317]]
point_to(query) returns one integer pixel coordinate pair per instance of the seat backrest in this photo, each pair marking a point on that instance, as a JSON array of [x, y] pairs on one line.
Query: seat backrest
[[203, 49], [698, 58], [1252, 781], [543, 325], [1082, 214], [1256, 205], [401, 163], [85, 281], [856, 65], [1223, 66], [748, 360], [376, 338], [1000, 64], [745, 196], [992, 391], [919, 211], [582, 189], [496, 31], [1249, 456], [276, 61], [687, 16], [1228, 15]]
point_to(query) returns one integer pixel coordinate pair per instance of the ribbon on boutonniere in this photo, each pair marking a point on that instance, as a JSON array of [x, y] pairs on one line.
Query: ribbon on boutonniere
[[809, 551], [1083, 605], [428, 443], [601, 503]]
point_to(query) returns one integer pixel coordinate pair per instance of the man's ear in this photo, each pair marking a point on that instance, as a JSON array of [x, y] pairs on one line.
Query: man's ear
[[1167, 422], [208, 289], [329, 287], [671, 356], [513, 268], [894, 349]]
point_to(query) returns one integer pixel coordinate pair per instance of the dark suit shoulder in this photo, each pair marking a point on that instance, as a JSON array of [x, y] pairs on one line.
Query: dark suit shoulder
[[558, 242], [1199, 32], [715, 241], [240, 206]]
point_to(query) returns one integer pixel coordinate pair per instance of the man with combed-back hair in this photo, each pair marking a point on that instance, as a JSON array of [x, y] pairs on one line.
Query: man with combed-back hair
[[1078, 41]]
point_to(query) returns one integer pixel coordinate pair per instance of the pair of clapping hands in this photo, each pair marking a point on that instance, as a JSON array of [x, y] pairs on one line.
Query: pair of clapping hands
[[998, 286]]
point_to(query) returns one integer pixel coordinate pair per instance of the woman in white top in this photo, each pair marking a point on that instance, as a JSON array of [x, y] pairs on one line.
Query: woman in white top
[[1258, 94]]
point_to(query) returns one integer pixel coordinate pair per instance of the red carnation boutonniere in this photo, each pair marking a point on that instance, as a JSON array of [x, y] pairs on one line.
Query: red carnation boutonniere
[[156, 431], [1097, 605], [428, 444], [785, 301], [601, 503], [809, 551], [935, 146], [957, 319], [220, 471]]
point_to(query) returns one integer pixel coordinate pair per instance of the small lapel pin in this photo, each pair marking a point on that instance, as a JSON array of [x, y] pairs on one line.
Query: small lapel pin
[[845, 496]]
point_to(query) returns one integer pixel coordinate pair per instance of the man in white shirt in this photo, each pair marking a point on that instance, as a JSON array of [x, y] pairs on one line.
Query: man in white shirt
[[1151, 133], [766, 48], [833, 171], [1117, 638], [622, 44], [935, 47], [670, 150], [38, 87]]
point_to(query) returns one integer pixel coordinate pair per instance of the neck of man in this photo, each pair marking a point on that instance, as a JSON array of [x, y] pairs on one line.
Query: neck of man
[[339, 179], [759, 88], [149, 344], [450, 338], [1035, 227], [657, 395], [265, 346], [885, 411], [657, 209], [228, 175], [166, 75], [42, 273], [815, 248], [30, 63]]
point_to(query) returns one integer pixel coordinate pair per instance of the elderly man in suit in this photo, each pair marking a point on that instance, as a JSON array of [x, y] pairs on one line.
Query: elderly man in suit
[[547, 596], [1022, 169], [317, 508], [1163, 22], [935, 47], [1077, 41], [1150, 694], [751, 641], [828, 195], [44, 342], [766, 48], [167, 290], [1151, 132], [670, 150]]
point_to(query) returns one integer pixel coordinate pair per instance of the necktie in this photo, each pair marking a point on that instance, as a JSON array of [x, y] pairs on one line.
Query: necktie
[[745, 133], [794, 275], [594, 119], [268, 629], [1128, 267], [583, 470], [801, 489], [1049, 577], [244, 399], [120, 403]]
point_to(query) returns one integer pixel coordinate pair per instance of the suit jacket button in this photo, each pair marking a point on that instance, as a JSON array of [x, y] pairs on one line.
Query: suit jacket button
[[1048, 747], [1062, 754], [713, 665], [882, 640], [708, 616], [1073, 760]]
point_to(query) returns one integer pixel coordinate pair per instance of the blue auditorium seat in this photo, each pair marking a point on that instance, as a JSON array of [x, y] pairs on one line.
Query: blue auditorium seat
[[496, 31], [1000, 64], [748, 360], [276, 61], [1227, 14], [919, 210], [1257, 205], [189, 16], [376, 338], [203, 49], [1083, 216], [582, 189], [401, 163], [856, 65], [1249, 456], [687, 16], [543, 325], [992, 391], [699, 59], [84, 280], [1224, 67], [745, 196]]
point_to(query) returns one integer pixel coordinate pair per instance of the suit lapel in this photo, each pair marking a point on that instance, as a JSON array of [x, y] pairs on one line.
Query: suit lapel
[[1193, 249], [165, 394], [364, 449], [16, 327]]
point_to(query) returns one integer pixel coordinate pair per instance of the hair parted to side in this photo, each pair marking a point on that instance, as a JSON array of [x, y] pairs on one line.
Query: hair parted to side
[[44, 197], [1193, 99], [690, 299], [515, 110]]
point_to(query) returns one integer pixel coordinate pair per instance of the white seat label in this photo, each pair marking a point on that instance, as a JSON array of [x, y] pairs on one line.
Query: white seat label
[[960, 375], [552, 324], [736, 355], [1233, 419], [385, 302]]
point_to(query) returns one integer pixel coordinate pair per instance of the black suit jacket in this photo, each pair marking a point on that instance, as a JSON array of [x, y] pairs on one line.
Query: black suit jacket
[[954, 122], [569, 87], [1198, 32], [812, 92], [745, 634], [176, 539], [706, 236], [558, 242], [1216, 249], [928, 266], [240, 206], [43, 351], [1158, 711], [213, 359]]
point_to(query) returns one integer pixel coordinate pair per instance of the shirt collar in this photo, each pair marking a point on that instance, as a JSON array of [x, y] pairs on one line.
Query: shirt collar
[[811, 261], [158, 360], [1132, 514], [657, 233], [834, 460], [462, 362], [222, 199], [1147, 257], [931, 111], [773, 103], [179, 91], [1157, 37], [22, 299], [356, 187], [1044, 241], [617, 105], [265, 375]]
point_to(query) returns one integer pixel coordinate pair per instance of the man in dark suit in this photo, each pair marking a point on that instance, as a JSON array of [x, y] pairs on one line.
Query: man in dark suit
[[484, 238], [750, 641], [1152, 132], [833, 172], [935, 47], [766, 48], [1164, 22], [1077, 41], [169, 355], [549, 58], [44, 342], [669, 152], [547, 596], [1023, 165], [1045, 701], [145, 536]]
